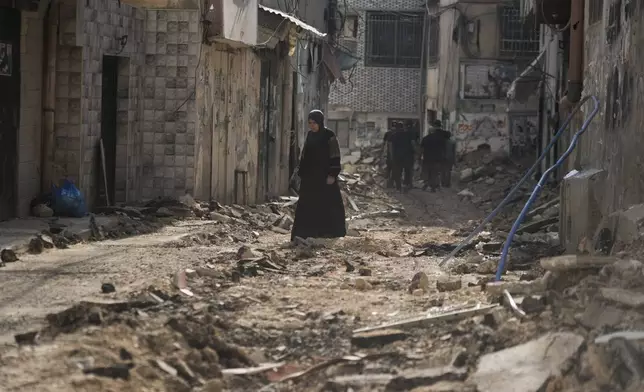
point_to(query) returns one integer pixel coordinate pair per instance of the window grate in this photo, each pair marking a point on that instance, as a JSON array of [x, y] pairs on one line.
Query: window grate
[[393, 40], [518, 39]]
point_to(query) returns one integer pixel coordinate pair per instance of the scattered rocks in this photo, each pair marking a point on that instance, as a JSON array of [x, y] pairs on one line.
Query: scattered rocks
[[449, 284]]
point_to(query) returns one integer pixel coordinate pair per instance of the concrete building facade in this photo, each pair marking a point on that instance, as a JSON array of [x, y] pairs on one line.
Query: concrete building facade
[[145, 99], [385, 84]]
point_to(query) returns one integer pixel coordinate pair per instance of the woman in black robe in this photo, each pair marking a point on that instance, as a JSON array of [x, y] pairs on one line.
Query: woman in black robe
[[320, 209]]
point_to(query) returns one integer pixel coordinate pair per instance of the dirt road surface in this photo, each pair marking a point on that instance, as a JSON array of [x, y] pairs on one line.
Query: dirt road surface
[[218, 303]]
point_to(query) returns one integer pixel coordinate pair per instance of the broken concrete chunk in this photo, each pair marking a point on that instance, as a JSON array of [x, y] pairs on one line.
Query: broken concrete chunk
[[8, 256], [246, 253], [449, 284], [362, 284], [536, 226], [219, 217], [576, 262], [42, 211], [465, 193], [423, 377], [419, 281], [107, 288], [623, 297], [524, 288], [180, 280], [378, 338], [526, 367], [466, 175]]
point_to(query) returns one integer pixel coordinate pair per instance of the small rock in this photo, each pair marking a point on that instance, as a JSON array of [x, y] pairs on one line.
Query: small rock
[[28, 338], [42, 211], [107, 288], [466, 175], [465, 193], [219, 217], [490, 181], [419, 281], [36, 246], [125, 355], [418, 292], [349, 265], [8, 256], [166, 368], [365, 271], [190, 273], [118, 371], [214, 386], [488, 267], [532, 304], [362, 284], [377, 338], [180, 280], [246, 253], [164, 212], [449, 284]]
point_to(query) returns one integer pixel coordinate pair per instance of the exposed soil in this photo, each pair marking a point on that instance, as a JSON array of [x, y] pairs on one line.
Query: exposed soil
[[249, 298]]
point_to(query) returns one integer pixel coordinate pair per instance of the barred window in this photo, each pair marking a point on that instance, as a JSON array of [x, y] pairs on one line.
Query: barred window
[[518, 38], [393, 39]]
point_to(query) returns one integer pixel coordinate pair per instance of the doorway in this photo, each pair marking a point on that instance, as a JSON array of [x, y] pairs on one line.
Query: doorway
[[109, 108], [9, 110], [265, 135]]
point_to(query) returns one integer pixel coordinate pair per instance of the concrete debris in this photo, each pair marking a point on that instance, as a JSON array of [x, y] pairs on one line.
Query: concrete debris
[[42, 211], [628, 335], [526, 367], [466, 175], [466, 193], [576, 262], [623, 297], [378, 338], [8, 256], [246, 253], [180, 280], [449, 284], [425, 377], [420, 281]]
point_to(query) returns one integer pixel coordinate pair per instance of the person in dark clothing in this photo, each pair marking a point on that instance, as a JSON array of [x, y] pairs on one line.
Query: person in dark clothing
[[402, 146], [320, 209], [388, 157], [448, 163], [434, 155]]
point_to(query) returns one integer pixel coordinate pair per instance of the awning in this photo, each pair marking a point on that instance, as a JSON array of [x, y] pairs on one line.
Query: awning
[[294, 20], [526, 84]]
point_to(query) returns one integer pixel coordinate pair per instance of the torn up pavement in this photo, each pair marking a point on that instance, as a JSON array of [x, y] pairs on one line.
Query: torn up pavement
[[219, 299]]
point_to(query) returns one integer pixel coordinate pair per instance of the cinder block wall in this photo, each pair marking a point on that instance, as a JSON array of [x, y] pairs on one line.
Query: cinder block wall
[[29, 134], [398, 89]]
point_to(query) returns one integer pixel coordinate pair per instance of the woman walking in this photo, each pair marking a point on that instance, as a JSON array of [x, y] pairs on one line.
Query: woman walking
[[320, 210]]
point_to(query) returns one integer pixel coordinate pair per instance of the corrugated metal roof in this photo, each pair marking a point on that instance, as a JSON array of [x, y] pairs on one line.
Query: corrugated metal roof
[[293, 20]]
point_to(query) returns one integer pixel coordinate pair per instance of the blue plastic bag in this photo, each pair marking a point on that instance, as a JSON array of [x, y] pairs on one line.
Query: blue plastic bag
[[68, 201]]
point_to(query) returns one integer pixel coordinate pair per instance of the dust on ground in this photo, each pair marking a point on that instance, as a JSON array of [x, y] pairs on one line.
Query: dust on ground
[[221, 300]]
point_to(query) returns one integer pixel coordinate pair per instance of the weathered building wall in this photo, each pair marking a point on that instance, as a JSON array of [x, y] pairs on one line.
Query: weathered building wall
[[473, 79], [169, 124], [372, 95], [614, 72], [228, 122], [29, 133]]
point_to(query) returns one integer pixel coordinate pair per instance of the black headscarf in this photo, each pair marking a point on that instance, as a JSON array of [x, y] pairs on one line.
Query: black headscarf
[[318, 117]]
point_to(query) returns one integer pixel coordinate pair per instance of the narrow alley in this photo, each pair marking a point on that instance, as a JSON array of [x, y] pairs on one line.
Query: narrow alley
[[321, 195]]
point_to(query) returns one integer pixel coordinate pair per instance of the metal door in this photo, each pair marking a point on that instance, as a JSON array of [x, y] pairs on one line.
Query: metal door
[[9, 109]]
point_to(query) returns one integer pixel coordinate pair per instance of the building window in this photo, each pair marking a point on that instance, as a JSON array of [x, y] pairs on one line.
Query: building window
[[518, 38], [393, 39], [595, 11], [434, 39]]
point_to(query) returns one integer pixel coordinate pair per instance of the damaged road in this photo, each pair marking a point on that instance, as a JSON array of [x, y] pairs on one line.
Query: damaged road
[[219, 300]]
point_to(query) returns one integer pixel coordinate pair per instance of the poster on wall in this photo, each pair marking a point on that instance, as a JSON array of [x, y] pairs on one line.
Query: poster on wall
[[6, 59], [487, 81]]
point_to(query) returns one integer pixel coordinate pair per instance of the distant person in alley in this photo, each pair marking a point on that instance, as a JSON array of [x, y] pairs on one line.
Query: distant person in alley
[[402, 147], [450, 160], [320, 209], [435, 156], [388, 154]]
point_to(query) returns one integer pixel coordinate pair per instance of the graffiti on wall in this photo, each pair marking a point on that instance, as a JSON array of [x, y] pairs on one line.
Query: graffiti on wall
[[474, 130], [487, 81], [523, 134]]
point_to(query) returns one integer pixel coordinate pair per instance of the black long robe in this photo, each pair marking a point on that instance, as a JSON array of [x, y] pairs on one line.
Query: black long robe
[[320, 209]]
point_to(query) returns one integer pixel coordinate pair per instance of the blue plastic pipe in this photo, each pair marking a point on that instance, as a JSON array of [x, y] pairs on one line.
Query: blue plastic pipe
[[527, 175], [539, 186]]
